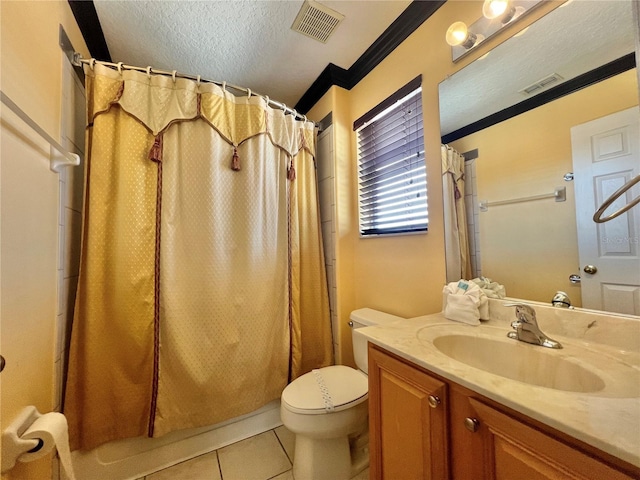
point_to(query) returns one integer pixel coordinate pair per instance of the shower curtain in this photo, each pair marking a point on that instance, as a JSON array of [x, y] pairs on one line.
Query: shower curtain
[[202, 288], [455, 217]]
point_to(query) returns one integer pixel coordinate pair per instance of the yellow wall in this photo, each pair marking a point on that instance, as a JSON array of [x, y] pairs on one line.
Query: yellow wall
[[532, 247], [403, 275], [31, 75], [31, 57]]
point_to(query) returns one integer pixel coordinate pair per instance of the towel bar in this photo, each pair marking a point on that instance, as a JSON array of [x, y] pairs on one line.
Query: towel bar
[[560, 194], [60, 157]]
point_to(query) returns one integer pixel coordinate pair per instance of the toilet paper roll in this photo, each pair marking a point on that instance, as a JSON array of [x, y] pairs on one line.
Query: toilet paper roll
[[52, 429]]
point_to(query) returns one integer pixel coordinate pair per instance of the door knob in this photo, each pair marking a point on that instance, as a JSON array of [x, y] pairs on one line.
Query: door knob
[[590, 269], [434, 401]]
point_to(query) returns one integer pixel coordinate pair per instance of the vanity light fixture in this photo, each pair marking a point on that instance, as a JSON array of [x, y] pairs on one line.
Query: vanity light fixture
[[459, 34], [497, 14]]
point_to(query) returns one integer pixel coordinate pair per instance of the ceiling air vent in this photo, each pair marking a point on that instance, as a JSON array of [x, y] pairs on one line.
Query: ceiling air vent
[[541, 84], [316, 21]]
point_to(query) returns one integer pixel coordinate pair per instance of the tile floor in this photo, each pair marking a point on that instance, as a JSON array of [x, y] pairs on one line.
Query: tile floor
[[267, 456]]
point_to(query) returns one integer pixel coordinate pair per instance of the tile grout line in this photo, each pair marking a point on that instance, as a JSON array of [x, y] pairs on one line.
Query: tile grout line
[[282, 446], [275, 476], [219, 466]]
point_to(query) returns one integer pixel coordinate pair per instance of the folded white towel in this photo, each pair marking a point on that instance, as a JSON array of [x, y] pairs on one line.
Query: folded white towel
[[490, 288], [464, 301]]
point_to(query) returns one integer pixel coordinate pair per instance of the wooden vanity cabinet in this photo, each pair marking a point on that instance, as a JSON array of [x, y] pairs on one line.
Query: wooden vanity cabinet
[[465, 436], [407, 421], [514, 450]]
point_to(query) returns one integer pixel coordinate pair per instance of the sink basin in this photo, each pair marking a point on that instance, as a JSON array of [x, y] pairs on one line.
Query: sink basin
[[576, 368], [525, 363]]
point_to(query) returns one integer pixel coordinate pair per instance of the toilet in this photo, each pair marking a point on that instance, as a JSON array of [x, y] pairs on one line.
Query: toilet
[[327, 410]]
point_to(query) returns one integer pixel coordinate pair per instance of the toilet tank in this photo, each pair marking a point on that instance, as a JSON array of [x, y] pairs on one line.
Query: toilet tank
[[366, 317]]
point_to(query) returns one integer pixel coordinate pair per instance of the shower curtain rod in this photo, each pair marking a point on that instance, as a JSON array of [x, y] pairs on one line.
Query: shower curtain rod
[[78, 61]]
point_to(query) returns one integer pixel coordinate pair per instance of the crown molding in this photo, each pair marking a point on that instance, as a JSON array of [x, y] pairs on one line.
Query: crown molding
[[89, 23], [403, 26], [591, 77]]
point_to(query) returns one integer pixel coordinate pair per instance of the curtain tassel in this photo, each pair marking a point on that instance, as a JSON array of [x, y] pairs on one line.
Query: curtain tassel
[[235, 161], [155, 153], [291, 173]]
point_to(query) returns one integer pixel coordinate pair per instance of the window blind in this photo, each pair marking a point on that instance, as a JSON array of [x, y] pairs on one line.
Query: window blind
[[392, 171]]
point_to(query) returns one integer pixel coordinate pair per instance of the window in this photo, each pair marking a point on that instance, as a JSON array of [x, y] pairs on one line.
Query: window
[[392, 174]]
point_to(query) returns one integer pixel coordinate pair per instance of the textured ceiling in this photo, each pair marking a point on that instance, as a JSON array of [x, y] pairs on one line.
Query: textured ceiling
[[244, 42], [571, 40]]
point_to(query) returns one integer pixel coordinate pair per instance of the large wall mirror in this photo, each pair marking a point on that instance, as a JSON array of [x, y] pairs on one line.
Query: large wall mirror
[[526, 236]]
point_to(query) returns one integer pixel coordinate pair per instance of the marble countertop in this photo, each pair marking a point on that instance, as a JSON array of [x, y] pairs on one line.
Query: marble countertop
[[608, 419]]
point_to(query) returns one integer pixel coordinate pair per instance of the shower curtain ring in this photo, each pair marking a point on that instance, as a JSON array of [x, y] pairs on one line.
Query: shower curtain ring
[[173, 76], [92, 63], [248, 93], [120, 68], [266, 99], [304, 117], [224, 87], [198, 80], [149, 71]]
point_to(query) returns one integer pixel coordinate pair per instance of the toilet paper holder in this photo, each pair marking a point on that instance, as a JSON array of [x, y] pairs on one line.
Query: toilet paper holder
[[12, 444]]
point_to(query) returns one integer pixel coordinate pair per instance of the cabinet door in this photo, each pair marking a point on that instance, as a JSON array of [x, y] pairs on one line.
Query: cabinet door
[[513, 450], [407, 421]]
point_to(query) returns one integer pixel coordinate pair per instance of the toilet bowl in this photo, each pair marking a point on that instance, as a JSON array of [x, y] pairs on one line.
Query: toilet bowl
[[327, 410]]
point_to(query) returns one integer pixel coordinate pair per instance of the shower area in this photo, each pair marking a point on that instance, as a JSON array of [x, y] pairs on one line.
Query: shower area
[[202, 284]]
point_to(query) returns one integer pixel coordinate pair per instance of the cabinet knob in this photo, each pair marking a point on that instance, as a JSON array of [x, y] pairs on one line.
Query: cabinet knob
[[434, 401], [471, 424]]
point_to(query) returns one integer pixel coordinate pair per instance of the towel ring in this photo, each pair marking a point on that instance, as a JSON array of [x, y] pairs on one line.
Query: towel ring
[[597, 217]]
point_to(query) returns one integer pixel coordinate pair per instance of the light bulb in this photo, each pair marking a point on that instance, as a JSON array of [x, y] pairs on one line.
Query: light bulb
[[458, 34], [494, 8], [502, 9]]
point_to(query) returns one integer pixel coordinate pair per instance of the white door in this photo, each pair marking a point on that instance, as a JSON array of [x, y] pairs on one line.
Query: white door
[[606, 154]]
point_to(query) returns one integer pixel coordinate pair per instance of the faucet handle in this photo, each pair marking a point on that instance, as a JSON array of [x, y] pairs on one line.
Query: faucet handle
[[524, 312]]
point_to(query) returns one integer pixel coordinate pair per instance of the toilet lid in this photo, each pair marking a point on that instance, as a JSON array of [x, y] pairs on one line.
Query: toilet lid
[[328, 389]]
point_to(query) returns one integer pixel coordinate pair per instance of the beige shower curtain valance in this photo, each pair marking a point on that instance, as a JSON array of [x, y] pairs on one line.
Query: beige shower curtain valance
[[158, 101], [202, 287]]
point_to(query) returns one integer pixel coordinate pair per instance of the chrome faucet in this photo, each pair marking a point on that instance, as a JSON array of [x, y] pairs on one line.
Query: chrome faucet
[[526, 327], [561, 299]]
